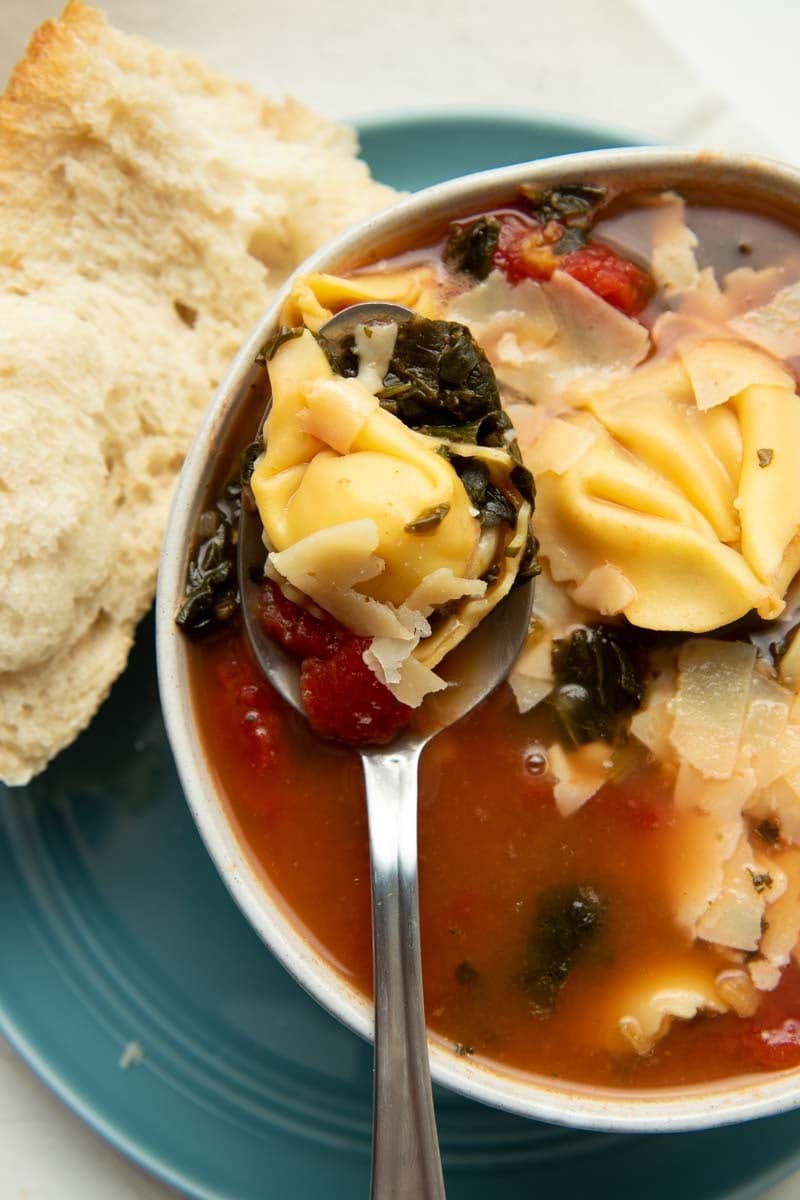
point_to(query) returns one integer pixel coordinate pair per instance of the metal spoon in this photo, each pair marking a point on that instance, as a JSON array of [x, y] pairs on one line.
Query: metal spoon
[[406, 1164]]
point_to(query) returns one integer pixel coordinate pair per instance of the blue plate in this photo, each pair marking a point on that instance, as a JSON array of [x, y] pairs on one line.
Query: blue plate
[[114, 927]]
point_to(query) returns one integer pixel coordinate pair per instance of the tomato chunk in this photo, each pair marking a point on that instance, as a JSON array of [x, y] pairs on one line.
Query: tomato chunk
[[777, 1046], [528, 249], [524, 250], [296, 629], [342, 697], [345, 700], [616, 280]]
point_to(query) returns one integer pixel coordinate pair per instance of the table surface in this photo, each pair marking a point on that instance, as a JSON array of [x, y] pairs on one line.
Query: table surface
[[690, 75]]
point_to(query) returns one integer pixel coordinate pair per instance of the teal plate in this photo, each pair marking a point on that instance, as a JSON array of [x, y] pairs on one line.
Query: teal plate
[[115, 927]]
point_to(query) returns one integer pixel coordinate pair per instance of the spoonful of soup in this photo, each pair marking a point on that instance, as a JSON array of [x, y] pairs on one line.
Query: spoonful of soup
[[385, 569]]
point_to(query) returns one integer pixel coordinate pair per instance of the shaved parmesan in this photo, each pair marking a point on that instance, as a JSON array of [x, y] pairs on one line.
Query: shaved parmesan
[[734, 917], [547, 339], [497, 304], [326, 565], [711, 703], [578, 774], [528, 690], [440, 587], [782, 919], [721, 369], [605, 590], [336, 412], [652, 724], [775, 325], [672, 260]]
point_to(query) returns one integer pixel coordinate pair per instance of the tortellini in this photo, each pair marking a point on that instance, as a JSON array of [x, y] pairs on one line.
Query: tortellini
[[333, 455], [368, 519], [698, 509]]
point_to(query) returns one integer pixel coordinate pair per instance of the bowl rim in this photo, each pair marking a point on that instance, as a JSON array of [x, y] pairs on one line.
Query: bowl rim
[[565, 1103]]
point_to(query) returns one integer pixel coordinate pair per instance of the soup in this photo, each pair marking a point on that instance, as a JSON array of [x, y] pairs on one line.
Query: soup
[[610, 888]]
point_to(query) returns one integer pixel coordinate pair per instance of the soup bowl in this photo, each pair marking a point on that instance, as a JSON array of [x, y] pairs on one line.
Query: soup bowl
[[760, 185]]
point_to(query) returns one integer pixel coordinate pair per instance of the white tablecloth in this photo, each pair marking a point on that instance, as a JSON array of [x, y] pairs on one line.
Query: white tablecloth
[[702, 72]]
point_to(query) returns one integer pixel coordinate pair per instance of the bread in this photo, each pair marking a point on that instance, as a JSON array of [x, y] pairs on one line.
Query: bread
[[149, 209]]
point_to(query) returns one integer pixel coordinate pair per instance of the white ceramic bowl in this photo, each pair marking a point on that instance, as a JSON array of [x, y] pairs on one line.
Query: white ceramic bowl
[[764, 185]]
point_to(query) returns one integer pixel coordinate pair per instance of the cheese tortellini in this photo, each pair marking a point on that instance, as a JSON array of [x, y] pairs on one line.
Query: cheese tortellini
[[368, 519], [684, 477]]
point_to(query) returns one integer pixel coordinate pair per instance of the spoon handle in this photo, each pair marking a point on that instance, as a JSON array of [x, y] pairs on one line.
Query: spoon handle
[[405, 1148]]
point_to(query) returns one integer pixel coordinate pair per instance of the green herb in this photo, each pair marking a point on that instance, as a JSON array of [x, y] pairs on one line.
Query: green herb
[[428, 521], [598, 680], [768, 831], [574, 205], [466, 974], [568, 918], [471, 246], [761, 882], [765, 457], [270, 348]]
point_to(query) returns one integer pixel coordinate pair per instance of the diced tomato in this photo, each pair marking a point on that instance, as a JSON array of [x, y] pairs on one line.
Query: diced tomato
[[295, 628], [345, 700], [342, 697], [616, 280], [777, 1046], [527, 249], [523, 250]]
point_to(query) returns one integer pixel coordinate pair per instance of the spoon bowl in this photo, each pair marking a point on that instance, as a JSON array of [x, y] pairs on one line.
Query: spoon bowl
[[406, 1163]]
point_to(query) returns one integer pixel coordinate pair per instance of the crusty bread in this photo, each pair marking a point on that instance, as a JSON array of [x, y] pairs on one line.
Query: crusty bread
[[148, 211]]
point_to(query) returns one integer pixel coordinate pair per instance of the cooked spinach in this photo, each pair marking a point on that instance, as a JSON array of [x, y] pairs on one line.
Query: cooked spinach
[[573, 204], [286, 333], [211, 592], [471, 246], [439, 376], [567, 918], [599, 679]]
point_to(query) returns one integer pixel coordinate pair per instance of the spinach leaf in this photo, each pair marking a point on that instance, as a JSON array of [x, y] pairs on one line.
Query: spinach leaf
[[599, 674], [568, 917], [470, 246], [439, 376], [286, 333], [573, 204], [211, 592]]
